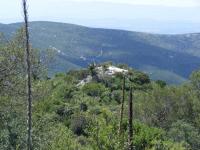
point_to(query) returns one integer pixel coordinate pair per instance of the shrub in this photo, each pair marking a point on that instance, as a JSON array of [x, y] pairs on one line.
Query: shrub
[[116, 95], [62, 111], [83, 107], [78, 125], [161, 83], [94, 89], [140, 78], [185, 132], [145, 135]]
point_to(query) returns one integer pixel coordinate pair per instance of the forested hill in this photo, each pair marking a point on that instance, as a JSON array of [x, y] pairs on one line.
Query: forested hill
[[168, 57], [96, 108]]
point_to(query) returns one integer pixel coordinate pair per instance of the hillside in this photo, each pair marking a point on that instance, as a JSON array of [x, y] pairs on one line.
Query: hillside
[[80, 110], [168, 57], [86, 109]]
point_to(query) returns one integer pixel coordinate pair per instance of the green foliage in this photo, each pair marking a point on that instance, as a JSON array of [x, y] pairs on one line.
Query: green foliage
[[103, 133], [83, 107], [66, 116], [140, 78], [117, 96], [94, 89], [184, 132], [79, 124], [80, 75], [146, 136], [161, 83], [195, 80], [63, 139]]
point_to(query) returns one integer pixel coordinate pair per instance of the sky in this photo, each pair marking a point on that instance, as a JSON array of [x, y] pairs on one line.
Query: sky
[[155, 16]]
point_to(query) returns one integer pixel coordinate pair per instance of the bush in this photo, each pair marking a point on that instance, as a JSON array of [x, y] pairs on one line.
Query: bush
[[140, 78], [78, 125], [63, 112], [116, 95], [185, 132], [161, 83], [83, 107], [145, 136], [94, 89]]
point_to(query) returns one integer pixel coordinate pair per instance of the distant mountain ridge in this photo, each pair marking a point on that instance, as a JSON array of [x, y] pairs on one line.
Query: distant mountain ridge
[[168, 57]]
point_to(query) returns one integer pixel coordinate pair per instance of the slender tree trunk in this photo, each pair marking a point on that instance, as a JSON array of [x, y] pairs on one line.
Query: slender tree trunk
[[122, 107], [130, 121], [29, 92]]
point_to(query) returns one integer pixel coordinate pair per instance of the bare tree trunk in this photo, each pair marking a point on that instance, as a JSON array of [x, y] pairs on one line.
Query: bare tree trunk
[[122, 107], [130, 120], [29, 92]]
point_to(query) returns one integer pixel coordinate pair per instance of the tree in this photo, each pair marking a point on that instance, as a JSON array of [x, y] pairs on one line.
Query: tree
[[182, 131], [13, 87], [29, 84], [94, 89], [161, 83], [195, 80], [130, 121], [122, 107]]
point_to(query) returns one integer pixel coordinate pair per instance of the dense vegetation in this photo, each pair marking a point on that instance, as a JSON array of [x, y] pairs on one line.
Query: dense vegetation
[[67, 115], [168, 57]]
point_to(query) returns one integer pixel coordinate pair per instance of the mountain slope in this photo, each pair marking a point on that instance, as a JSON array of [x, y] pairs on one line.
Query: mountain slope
[[176, 55]]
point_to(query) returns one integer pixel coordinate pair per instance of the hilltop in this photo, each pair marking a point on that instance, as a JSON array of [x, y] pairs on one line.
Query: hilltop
[[168, 57]]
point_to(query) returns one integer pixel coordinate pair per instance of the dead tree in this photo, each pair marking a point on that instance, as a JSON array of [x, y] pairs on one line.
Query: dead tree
[[130, 121], [122, 107], [29, 92]]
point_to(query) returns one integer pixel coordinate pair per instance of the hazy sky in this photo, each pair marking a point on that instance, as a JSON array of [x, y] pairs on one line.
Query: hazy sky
[[162, 16], [178, 3]]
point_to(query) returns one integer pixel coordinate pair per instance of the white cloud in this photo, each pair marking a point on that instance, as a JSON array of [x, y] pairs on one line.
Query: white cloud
[[169, 3]]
